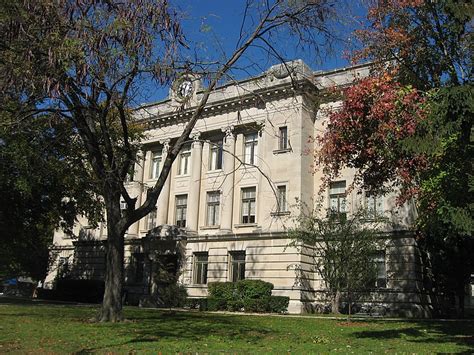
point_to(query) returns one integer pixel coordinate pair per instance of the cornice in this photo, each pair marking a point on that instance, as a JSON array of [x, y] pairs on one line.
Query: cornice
[[255, 99]]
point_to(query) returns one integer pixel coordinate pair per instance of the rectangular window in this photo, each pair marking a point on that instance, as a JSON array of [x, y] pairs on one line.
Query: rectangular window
[[215, 155], [184, 161], [375, 206], [281, 190], [236, 266], [200, 268], [250, 150], [248, 205], [283, 138], [381, 270], [337, 197], [181, 207], [155, 165], [213, 206], [123, 205], [151, 221]]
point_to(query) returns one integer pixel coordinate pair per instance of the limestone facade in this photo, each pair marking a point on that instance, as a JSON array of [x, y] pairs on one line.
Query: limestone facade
[[233, 191]]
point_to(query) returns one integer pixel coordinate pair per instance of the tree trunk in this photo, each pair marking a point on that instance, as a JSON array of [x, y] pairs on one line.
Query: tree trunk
[[461, 299], [336, 301], [349, 306], [112, 302]]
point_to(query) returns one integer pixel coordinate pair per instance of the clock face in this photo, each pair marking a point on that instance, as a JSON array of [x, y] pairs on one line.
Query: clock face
[[185, 89]]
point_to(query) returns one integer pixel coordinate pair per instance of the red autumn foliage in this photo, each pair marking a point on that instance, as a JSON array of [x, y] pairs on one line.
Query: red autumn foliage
[[368, 133]]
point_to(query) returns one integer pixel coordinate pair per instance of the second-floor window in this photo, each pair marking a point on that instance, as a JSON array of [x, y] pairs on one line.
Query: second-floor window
[[181, 209], [283, 138], [248, 205], [184, 161], [155, 165], [337, 197], [282, 205], [213, 206], [250, 148], [374, 205], [215, 155], [151, 219]]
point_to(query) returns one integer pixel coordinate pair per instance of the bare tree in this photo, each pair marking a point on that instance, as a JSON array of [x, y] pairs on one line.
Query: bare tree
[[85, 62]]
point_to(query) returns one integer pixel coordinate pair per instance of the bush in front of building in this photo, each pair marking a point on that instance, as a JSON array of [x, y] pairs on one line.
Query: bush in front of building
[[173, 295], [225, 290], [253, 289], [279, 304], [216, 304], [247, 295]]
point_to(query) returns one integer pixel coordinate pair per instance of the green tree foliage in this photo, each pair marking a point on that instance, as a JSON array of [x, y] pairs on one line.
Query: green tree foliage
[[343, 251], [424, 48], [39, 170]]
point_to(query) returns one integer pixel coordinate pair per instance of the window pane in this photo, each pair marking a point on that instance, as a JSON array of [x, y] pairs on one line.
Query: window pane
[[155, 165], [342, 204], [181, 202], [200, 268], [248, 205], [152, 219], [184, 159], [281, 198], [250, 150], [237, 266], [248, 154], [338, 187], [283, 143], [252, 208]]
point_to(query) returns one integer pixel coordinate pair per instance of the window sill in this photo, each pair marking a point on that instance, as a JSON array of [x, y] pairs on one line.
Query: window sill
[[215, 171], [209, 227], [281, 151], [183, 176], [245, 225], [280, 213]]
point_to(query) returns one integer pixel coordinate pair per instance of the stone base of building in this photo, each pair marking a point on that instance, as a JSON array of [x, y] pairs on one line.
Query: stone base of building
[[267, 257]]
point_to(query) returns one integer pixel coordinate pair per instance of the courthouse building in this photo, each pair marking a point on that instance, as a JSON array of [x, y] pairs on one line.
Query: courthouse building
[[232, 193]]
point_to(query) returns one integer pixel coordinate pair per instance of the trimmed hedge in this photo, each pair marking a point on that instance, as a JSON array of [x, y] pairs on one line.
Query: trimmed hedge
[[224, 290], [248, 295], [279, 304], [257, 305], [216, 304], [253, 289]]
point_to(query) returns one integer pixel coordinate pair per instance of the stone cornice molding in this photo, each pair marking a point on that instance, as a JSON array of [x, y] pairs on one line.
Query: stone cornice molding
[[256, 98]]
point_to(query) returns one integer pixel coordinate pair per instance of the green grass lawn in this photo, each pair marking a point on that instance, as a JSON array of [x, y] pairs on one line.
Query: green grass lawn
[[27, 327]]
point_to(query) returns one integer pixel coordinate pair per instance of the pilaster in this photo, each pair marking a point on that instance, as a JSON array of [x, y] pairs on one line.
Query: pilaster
[[194, 184], [228, 168], [164, 198]]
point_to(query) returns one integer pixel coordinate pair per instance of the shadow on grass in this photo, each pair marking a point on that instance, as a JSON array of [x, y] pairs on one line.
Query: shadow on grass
[[184, 327], [147, 325], [436, 332]]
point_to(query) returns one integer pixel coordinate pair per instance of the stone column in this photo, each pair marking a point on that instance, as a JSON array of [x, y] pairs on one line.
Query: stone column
[[164, 198], [227, 195], [192, 218], [137, 189], [146, 171]]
